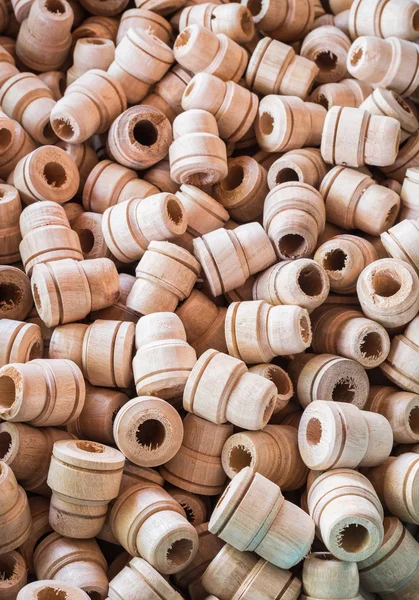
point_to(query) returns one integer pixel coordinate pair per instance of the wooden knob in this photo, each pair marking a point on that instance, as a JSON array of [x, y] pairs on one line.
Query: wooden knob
[[399, 408], [139, 579], [400, 366], [305, 165], [15, 515], [14, 575], [167, 93], [22, 342], [37, 589], [326, 577]]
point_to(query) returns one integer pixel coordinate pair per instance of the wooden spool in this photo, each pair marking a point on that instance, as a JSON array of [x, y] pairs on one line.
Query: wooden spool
[[10, 236], [168, 92], [401, 364], [33, 590], [348, 92], [141, 580], [409, 208], [281, 380], [55, 81], [234, 21], [39, 508], [16, 144], [399, 408], [85, 158], [119, 310], [401, 241], [328, 47], [17, 299], [15, 515], [88, 227], [196, 508], [304, 165], [21, 342], [326, 577], [144, 19], [90, 53], [388, 103]]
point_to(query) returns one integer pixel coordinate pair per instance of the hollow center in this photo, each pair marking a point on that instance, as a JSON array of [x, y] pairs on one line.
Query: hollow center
[[386, 283], [5, 444], [305, 328], [55, 6], [93, 595], [414, 420], [179, 552], [7, 567], [5, 138], [281, 381], [246, 23], [310, 281], [335, 260], [401, 102], [10, 295], [286, 174], [94, 41], [240, 457], [371, 345], [323, 101], [50, 593], [326, 61], [183, 38], [356, 56], [354, 538], [255, 6], [391, 215], [7, 392], [36, 350], [48, 132], [90, 447], [151, 434], [55, 174], [189, 89], [291, 245], [87, 240], [313, 432], [234, 178], [266, 123], [415, 20], [190, 514], [145, 133], [174, 211], [37, 298], [343, 391], [63, 129]]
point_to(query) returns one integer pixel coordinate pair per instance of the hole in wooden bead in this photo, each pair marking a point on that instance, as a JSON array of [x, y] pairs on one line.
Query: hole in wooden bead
[[291, 245], [145, 133], [7, 567], [323, 101], [94, 42], [280, 379], [391, 215], [55, 174], [55, 6], [343, 391], [287, 174], [63, 128], [190, 515], [305, 328], [174, 211], [266, 123], [48, 132], [414, 420], [246, 23], [90, 447], [401, 102], [310, 281], [36, 297], [5, 444], [239, 458], [93, 595], [189, 88], [7, 392], [179, 552], [5, 138], [335, 260], [326, 60], [151, 434], [87, 240], [314, 432], [255, 6], [356, 56], [183, 38], [371, 345], [2, 194], [386, 283], [415, 20], [234, 178], [354, 538], [50, 593], [10, 295]]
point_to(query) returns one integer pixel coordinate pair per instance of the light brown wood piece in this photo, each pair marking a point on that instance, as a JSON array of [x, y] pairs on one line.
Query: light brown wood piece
[[90, 53], [139, 579], [281, 380], [407, 160], [37, 589], [168, 92], [328, 47], [15, 143], [21, 342], [7, 65], [401, 241], [15, 515], [287, 22], [348, 92], [304, 165], [326, 577], [39, 508], [233, 20], [399, 408], [392, 18], [388, 103], [55, 81], [14, 575], [401, 366], [409, 205], [84, 157], [141, 18], [15, 293], [88, 227], [10, 236], [196, 508], [161, 7], [119, 310], [97, 26], [108, 9]]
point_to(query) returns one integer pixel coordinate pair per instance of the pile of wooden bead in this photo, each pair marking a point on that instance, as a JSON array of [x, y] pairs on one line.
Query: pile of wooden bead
[[209, 300]]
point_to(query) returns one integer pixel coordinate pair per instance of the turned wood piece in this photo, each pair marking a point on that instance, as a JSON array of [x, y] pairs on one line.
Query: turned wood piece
[[15, 144], [287, 22], [67, 290], [138, 579], [304, 165], [348, 92], [235, 21], [328, 47], [392, 18], [39, 508], [387, 291], [328, 377], [21, 342], [388, 103], [409, 208], [140, 18], [102, 350], [197, 466], [196, 508], [119, 310], [253, 515], [272, 452], [88, 227], [97, 27], [7, 64], [90, 53], [257, 332], [221, 389], [10, 236], [16, 298], [165, 276], [14, 575], [39, 589], [149, 523], [55, 81], [401, 241], [85, 158], [41, 392], [347, 513], [281, 380], [401, 366], [168, 92], [401, 409], [407, 160], [326, 577], [15, 515]]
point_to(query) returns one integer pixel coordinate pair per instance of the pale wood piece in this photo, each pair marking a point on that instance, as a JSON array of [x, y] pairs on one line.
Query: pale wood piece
[[326, 577], [257, 331], [275, 68], [88, 228], [272, 452], [347, 513], [119, 310], [388, 103], [141, 60], [168, 92], [67, 290], [335, 435], [287, 123], [16, 298], [328, 377], [288, 22], [281, 380], [220, 389], [21, 342], [239, 294], [253, 515], [39, 508], [109, 183], [90, 53], [328, 47], [401, 241], [97, 26], [197, 466], [75, 562], [39, 589], [407, 160], [107, 9], [348, 92], [149, 523], [161, 7], [15, 515], [344, 257], [89, 106], [234, 574], [198, 49], [14, 575], [46, 332], [228, 257], [301, 282], [401, 366], [234, 20], [233, 106], [44, 39], [7, 66], [340, 20], [346, 332], [197, 509], [15, 143], [409, 198], [138, 579], [85, 158], [294, 216], [159, 175], [10, 237], [304, 165], [140, 18], [389, 63], [384, 20], [394, 185], [399, 408], [55, 81], [197, 155], [387, 292], [165, 275]]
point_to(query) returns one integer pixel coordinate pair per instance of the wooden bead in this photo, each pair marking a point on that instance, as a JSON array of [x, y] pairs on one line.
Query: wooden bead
[[293, 217], [66, 290], [39, 508], [274, 68], [129, 227], [165, 275], [197, 466], [197, 155], [119, 310], [161, 7], [196, 509], [234, 574], [387, 292], [7, 66], [326, 577], [26, 99], [168, 92], [104, 9], [90, 53], [14, 575], [233, 20], [348, 92], [304, 165], [84, 157], [164, 359], [149, 523], [138, 579], [401, 242], [139, 138], [198, 49], [141, 59], [257, 332], [251, 516], [287, 123], [233, 106], [352, 137], [389, 63], [394, 18], [88, 228], [10, 237], [140, 18], [407, 159], [272, 452], [97, 27], [15, 293], [300, 282], [220, 389], [55, 81], [46, 332], [328, 377], [335, 435], [387, 103], [281, 380], [347, 513], [22, 342], [328, 47], [37, 589], [44, 38], [15, 144], [228, 257], [75, 562], [47, 173], [110, 183], [399, 408], [287, 22], [344, 257], [83, 110], [15, 515], [409, 208], [401, 364]]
